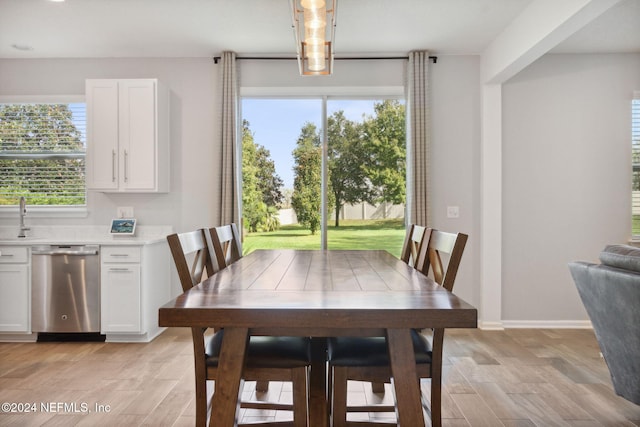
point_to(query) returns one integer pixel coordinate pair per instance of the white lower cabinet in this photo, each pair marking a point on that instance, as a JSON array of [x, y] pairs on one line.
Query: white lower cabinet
[[15, 301], [134, 284], [135, 281], [120, 296]]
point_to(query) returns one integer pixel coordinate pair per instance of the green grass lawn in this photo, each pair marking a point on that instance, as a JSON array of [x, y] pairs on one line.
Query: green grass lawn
[[352, 234]]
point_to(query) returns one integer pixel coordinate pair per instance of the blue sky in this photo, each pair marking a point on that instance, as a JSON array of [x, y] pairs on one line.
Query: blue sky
[[276, 124]]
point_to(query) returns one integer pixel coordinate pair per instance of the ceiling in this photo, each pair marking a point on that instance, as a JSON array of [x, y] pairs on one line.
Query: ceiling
[[205, 28]]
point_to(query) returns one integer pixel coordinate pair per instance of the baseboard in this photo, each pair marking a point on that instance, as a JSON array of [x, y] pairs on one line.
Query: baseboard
[[534, 324], [146, 337], [490, 326], [547, 324], [18, 337]]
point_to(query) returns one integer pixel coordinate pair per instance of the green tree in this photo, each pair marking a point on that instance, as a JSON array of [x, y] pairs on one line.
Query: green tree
[[269, 182], [41, 129], [385, 142], [306, 199], [347, 157], [253, 208], [261, 186]]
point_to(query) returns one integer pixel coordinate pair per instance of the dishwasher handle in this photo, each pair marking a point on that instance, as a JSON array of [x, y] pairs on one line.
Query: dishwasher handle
[[66, 251]]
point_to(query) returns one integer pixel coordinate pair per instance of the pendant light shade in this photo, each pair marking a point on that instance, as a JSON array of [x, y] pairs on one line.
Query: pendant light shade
[[314, 29]]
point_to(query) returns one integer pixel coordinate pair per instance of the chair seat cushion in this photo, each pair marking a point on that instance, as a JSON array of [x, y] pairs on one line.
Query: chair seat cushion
[[266, 352], [372, 351]]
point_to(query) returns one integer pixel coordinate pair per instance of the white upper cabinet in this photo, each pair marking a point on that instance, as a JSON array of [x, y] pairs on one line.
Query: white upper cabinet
[[127, 136]]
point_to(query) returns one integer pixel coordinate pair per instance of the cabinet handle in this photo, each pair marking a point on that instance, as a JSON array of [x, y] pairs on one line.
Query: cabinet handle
[[113, 165], [119, 255], [6, 255], [126, 168], [119, 269]]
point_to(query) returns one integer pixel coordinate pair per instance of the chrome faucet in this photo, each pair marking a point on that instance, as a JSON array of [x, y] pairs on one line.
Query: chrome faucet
[[23, 212]]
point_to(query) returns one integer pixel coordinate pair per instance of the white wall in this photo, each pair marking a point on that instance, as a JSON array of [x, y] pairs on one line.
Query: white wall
[[193, 116], [455, 157], [566, 177], [261, 76]]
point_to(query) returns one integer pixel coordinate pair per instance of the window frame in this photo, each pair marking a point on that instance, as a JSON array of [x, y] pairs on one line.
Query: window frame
[[635, 167], [49, 211], [325, 95]]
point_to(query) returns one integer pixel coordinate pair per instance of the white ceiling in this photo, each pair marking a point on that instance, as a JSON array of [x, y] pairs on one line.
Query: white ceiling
[[205, 28]]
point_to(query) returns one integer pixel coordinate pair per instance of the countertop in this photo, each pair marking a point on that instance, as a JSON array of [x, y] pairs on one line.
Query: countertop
[[78, 235]]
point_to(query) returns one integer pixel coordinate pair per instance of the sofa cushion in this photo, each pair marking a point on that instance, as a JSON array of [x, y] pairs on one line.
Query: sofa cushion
[[621, 256]]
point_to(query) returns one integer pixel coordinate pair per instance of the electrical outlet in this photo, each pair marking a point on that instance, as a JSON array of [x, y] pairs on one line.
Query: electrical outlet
[[125, 212], [453, 212]]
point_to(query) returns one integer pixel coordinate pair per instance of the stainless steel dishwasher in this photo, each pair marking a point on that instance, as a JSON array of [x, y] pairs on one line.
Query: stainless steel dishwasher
[[65, 288]]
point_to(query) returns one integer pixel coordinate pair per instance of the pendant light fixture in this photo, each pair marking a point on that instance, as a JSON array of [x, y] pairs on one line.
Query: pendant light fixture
[[314, 30]]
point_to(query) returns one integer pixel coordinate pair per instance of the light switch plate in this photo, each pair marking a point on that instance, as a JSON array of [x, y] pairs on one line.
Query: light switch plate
[[453, 212], [125, 212]]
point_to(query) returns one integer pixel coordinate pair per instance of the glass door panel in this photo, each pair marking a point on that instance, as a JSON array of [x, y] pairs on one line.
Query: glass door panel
[[366, 156], [281, 157]]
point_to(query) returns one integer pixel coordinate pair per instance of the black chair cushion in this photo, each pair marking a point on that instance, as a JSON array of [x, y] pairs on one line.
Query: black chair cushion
[[266, 352], [372, 351]]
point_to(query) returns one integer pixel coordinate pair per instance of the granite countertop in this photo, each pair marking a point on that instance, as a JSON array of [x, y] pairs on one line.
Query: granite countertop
[[96, 235]]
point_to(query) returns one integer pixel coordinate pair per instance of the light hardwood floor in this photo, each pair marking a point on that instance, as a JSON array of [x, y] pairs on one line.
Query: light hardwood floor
[[512, 378]]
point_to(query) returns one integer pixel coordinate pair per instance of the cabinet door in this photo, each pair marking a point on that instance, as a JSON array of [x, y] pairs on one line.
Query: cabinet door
[[137, 135], [120, 293], [15, 313], [102, 134]]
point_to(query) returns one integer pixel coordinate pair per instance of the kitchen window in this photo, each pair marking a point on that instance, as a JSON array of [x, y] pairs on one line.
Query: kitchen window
[[42, 154]]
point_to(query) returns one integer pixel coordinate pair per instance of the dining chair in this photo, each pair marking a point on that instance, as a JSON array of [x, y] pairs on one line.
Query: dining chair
[[284, 359], [412, 244], [410, 253], [367, 358], [226, 244], [226, 247]]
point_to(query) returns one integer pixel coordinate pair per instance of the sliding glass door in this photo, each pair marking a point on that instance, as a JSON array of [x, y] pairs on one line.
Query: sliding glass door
[[304, 187]]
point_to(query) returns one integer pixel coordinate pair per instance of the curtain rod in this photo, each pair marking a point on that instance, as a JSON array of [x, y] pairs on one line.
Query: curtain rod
[[345, 58]]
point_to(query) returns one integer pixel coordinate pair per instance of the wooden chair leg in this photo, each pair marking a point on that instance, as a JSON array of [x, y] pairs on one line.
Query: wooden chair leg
[[436, 399], [299, 386], [262, 386], [201, 402], [339, 396]]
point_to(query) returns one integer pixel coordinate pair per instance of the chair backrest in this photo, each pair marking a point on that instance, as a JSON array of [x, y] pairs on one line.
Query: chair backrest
[[227, 247], [412, 244], [184, 246], [435, 244]]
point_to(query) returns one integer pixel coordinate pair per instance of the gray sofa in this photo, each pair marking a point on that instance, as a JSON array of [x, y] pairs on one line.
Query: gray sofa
[[610, 292]]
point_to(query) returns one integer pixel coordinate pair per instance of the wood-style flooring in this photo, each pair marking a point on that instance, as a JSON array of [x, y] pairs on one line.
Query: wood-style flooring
[[511, 378]]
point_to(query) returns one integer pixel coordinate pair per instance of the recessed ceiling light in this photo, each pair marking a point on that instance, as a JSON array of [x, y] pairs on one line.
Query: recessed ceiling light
[[23, 47]]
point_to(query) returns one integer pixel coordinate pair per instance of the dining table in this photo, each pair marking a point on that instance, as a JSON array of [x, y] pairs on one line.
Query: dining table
[[318, 294]]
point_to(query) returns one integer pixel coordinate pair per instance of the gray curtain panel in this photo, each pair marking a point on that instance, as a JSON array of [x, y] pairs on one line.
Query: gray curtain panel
[[228, 203], [419, 139]]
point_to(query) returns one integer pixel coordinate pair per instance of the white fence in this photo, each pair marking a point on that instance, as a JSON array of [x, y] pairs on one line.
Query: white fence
[[357, 211]]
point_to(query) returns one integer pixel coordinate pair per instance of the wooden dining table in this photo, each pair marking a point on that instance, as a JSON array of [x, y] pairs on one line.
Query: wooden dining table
[[318, 293]]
